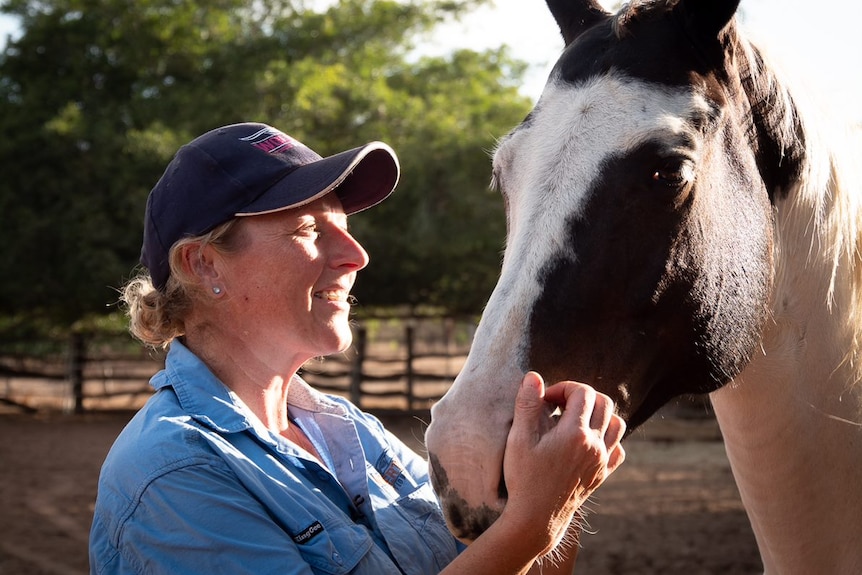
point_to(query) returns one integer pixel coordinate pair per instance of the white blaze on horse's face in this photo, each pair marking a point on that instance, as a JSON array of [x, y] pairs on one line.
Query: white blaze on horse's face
[[546, 169]]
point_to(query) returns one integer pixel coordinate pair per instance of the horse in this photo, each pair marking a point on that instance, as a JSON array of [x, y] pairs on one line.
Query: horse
[[679, 221]]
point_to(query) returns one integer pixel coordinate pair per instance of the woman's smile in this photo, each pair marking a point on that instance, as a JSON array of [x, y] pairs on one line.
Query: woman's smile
[[336, 295]]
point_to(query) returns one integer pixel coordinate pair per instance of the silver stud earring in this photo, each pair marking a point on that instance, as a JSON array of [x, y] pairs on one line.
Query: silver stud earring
[[216, 290]]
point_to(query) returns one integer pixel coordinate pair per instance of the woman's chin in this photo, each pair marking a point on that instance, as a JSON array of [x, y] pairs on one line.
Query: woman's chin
[[341, 341]]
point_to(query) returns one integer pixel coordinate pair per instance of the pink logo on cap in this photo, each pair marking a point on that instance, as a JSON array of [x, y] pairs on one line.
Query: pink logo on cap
[[271, 140]]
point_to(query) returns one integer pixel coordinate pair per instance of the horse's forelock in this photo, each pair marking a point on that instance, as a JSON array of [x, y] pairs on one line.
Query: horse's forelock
[[631, 13]]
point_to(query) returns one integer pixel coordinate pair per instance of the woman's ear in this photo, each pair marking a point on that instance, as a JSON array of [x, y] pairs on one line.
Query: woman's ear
[[199, 261]]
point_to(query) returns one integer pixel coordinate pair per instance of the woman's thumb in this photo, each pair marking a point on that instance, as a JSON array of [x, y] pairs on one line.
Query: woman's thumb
[[529, 404]]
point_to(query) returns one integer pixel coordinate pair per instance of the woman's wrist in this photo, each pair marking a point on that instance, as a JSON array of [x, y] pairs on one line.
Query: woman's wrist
[[532, 537]]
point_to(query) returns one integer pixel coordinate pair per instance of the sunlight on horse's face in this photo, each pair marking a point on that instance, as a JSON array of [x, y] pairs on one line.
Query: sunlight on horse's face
[[648, 233], [638, 260]]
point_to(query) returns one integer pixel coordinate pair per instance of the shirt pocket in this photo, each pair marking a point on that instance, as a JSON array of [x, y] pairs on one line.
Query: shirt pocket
[[430, 547], [333, 549]]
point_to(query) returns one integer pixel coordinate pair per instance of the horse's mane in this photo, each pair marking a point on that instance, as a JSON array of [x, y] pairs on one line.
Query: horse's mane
[[818, 182]]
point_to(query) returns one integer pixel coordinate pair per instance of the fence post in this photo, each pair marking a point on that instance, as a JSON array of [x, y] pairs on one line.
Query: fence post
[[78, 356], [356, 369], [408, 334]]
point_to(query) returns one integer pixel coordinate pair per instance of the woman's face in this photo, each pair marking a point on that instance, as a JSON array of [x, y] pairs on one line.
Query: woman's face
[[288, 282]]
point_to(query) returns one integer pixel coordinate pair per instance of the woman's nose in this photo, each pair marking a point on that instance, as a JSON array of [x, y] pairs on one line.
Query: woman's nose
[[349, 252]]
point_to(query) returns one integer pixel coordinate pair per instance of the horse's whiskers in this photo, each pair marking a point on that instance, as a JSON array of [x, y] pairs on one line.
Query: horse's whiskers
[[571, 538]]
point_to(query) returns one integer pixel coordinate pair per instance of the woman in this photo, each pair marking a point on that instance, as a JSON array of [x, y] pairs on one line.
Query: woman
[[235, 464]]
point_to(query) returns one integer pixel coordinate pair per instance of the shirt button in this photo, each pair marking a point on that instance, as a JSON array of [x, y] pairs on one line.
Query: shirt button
[[336, 557]]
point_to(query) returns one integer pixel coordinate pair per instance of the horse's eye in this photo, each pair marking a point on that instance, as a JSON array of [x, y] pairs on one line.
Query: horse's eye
[[674, 175], [670, 177]]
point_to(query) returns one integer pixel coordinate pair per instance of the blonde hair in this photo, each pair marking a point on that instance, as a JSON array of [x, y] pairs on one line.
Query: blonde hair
[[157, 317]]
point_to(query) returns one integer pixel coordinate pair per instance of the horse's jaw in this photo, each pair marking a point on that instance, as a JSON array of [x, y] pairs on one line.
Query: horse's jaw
[[466, 441]]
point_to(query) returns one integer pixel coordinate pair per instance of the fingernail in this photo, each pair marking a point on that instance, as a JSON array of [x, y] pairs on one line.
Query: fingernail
[[532, 383]]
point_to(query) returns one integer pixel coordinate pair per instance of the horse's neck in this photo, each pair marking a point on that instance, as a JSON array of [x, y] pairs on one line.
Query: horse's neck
[[796, 460], [792, 421]]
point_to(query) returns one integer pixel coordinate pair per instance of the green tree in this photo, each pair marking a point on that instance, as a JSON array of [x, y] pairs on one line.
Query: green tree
[[96, 95], [443, 231]]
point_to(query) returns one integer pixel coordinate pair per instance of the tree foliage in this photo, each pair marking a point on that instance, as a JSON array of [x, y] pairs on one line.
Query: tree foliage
[[97, 95]]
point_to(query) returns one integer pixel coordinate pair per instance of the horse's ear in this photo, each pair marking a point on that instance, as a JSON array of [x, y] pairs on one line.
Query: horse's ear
[[707, 18], [575, 16]]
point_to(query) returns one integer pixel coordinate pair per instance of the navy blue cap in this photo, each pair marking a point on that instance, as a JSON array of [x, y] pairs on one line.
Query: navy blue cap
[[249, 169]]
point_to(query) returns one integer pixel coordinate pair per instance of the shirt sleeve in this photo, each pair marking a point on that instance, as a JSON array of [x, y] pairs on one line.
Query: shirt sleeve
[[200, 519]]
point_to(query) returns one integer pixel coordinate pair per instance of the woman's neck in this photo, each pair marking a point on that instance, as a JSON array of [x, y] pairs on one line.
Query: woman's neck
[[261, 382]]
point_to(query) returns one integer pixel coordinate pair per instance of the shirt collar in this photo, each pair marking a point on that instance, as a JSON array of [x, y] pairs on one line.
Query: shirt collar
[[205, 398]]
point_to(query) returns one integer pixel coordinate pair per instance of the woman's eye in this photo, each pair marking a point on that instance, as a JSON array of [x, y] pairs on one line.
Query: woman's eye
[[309, 231]]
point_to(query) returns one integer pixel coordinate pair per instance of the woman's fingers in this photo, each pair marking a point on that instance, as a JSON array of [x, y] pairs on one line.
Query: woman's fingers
[[616, 430], [586, 413], [616, 458], [592, 410], [575, 399], [529, 406], [575, 456], [603, 411]]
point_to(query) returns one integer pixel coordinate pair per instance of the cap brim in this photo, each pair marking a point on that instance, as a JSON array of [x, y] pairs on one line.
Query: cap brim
[[361, 177]]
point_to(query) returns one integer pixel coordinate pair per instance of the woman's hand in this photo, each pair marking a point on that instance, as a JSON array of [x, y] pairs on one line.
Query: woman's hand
[[552, 468]]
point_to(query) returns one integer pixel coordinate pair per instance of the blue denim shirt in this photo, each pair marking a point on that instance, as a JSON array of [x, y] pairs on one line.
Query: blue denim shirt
[[196, 484]]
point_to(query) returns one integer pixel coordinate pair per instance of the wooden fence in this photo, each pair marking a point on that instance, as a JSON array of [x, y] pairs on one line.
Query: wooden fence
[[395, 363]]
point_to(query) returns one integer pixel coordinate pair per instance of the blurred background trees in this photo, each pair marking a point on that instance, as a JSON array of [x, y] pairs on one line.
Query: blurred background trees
[[97, 95]]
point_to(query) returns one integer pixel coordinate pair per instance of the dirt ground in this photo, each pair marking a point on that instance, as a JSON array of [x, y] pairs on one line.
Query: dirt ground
[[671, 509]]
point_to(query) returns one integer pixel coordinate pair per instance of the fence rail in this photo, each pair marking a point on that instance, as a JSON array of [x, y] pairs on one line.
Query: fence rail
[[394, 363]]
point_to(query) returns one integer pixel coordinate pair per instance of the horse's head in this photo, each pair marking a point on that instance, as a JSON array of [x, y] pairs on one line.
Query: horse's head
[[640, 232]]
